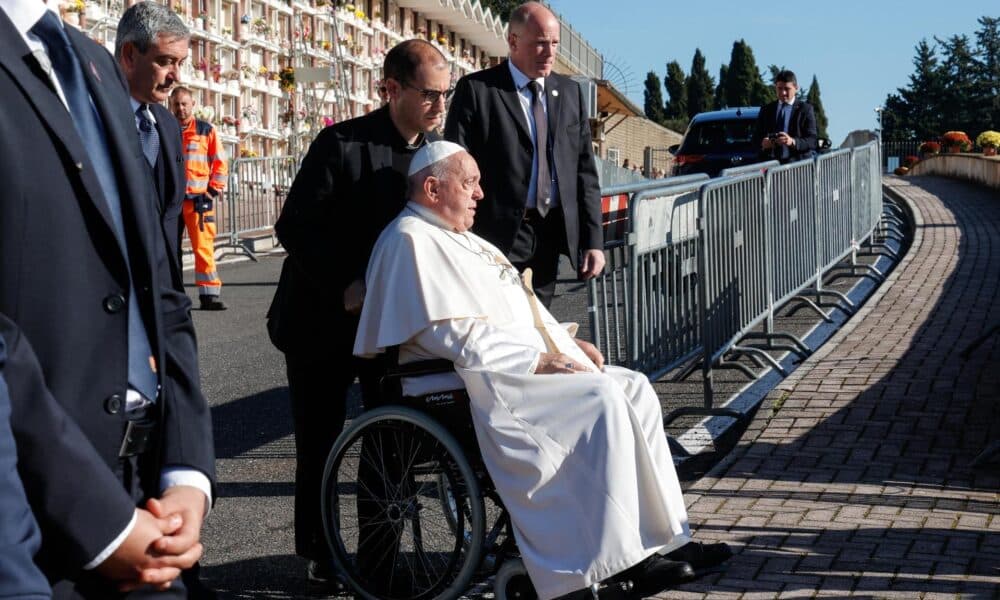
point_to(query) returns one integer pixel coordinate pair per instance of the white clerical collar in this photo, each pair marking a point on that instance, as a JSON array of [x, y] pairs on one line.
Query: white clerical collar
[[520, 79], [430, 216]]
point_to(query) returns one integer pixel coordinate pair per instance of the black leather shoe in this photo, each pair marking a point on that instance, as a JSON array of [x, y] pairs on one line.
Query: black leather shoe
[[702, 556], [320, 574], [211, 303], [654, 575]]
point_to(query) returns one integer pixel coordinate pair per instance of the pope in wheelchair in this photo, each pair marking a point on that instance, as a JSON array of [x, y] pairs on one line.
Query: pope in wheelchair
[[574, 451]]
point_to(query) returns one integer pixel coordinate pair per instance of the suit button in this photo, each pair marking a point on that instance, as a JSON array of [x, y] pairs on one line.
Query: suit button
[[114, 303], [113, 404]]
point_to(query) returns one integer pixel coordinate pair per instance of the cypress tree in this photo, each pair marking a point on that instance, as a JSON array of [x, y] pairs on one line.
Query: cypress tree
[[988, 62], [813, 98], [677, 91], [699, 86], [653, 98], [744, 85], [720, 90]]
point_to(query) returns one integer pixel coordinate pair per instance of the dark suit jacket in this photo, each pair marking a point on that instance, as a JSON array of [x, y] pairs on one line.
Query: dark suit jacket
[[801, 126], [171, 199], [19, 534], [343, 196], [60, 267], [486, 117]]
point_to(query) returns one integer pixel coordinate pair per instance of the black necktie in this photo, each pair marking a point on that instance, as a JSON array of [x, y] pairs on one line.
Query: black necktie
[[543, 185], [782, 113], [91, 131], [149, 137]]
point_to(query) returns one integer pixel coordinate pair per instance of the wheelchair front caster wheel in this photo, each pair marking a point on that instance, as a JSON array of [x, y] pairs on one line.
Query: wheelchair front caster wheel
[[512, 582]]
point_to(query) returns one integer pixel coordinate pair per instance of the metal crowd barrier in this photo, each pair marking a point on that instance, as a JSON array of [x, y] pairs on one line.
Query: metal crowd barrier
[[704, 266], [257, 191], [611, 293]]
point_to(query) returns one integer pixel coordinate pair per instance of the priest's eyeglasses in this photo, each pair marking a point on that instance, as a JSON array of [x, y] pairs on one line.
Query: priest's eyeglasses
[[432, 96]]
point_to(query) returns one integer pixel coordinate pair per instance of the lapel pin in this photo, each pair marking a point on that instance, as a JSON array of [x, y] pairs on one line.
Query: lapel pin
[[93, 70], [555, 93]]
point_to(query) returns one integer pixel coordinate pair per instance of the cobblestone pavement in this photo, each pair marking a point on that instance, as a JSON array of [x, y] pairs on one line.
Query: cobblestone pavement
[[855, 478]]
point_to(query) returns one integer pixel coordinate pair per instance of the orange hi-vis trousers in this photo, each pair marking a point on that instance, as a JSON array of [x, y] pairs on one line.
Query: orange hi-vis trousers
[[201, 231]]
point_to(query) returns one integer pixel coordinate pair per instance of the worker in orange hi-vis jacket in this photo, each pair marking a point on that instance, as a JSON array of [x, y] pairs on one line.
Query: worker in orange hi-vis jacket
[[205, 164]]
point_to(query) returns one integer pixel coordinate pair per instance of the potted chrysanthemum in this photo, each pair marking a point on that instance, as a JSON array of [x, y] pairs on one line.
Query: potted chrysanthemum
[[929, 149], [989, 141], [956, 141]]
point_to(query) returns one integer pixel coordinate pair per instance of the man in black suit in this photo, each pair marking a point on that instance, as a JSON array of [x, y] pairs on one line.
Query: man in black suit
[[19, 535], [786, 129], [352, 183], [527, 128], [150, 37], [85, 274]]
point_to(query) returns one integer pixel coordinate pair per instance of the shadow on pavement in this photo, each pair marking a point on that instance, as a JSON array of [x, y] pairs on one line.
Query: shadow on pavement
[[881, 492], [274, 577], [268, 412]]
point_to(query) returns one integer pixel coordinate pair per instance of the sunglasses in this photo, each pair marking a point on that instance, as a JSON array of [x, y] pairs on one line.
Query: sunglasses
[[432, 96]]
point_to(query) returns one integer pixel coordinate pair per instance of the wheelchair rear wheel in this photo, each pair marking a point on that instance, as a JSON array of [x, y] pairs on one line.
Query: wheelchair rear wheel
[[392, 532], [512, 582]]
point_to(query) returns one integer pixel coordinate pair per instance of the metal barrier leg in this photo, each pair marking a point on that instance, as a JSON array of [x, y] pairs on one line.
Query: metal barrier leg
[[727, 364], [798, 346], [750, 350], [687, 371], [808, 303]]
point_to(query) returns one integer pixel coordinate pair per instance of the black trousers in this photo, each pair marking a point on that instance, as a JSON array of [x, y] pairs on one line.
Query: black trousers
[[538, 244], [318, 385]]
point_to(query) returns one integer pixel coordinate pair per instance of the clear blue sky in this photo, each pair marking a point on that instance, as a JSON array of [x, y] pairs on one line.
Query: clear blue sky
[[859, 50]]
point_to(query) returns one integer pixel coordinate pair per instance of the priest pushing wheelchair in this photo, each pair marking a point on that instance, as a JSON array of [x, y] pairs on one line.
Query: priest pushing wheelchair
[[549, 469]]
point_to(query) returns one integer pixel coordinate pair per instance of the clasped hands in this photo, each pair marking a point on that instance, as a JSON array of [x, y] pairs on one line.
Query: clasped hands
[[163, 542], [557, 362]]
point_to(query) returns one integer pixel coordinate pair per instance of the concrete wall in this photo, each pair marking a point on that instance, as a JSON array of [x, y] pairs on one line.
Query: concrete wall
[[632, 137], [972, 167]]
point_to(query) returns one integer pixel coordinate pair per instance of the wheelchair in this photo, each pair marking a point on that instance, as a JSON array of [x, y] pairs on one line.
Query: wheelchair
[[409, 511]]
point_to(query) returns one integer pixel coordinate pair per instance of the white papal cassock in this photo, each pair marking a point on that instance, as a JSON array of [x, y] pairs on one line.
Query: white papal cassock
[[580, 460]]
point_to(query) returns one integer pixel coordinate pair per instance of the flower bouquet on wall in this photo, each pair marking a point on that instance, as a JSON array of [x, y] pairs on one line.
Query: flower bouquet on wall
[[929, 149], [989, 141], [956, 141]]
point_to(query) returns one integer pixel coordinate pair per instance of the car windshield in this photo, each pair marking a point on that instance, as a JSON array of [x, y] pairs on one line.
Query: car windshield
[[724, 136]]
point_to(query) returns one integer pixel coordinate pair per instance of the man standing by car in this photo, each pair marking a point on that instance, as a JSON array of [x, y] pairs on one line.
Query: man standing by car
[[786, 128]]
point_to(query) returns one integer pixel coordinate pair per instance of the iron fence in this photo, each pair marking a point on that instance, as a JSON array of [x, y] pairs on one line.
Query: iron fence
[[703, 264], [258, 188]]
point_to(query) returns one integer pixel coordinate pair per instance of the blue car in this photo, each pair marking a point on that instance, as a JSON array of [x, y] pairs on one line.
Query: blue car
[[717, 140]]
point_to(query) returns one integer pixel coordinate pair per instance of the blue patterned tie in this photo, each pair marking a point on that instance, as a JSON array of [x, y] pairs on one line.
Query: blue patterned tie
[[783, 126], [149, 137], [91, 130]]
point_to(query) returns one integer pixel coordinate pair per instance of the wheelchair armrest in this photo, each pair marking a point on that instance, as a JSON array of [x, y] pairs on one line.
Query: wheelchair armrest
[[422, 367]]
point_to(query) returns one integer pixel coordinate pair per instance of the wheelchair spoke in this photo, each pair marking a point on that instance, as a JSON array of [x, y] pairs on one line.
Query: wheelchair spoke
[[402, 516]]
